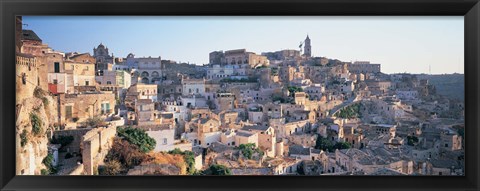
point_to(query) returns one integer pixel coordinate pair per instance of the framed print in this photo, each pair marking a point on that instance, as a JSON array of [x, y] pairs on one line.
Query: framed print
[[239, 95]]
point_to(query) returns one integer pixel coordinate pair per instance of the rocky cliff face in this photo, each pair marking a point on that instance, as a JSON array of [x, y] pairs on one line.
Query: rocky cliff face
[[33, 126]]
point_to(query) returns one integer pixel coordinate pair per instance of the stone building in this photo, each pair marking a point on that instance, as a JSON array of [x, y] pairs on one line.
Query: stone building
[[282, 54], [145, 91], [193, 86], [60, 80], [145, 112], [225, 101], [202, 131], [104, 60], [117, 81], [75, 108], [83, 72], [149, 69], [238, 57], [363, 67]]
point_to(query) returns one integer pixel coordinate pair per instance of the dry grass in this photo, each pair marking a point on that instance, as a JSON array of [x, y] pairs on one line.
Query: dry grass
[[165, 158]]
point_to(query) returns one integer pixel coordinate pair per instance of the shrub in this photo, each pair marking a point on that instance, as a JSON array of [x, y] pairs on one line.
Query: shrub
[[44, 172], [217, 169], [112, 167], [45, 101], [128, 154], [23, 138], [246, 80], [189, 158], [293, 89], [328, 145], [249, 149], [47, 161], [137, 137], [350, 112], [342, 145], [177, 160], [38, 92], [36, 123], [95, 121], [412, 140]]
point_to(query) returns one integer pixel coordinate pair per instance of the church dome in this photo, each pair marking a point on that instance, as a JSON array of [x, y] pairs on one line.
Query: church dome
[[101, 46]]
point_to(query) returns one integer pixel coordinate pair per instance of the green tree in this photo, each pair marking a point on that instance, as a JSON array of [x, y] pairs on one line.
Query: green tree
[[63, 140], [342, 145], [412, 140], [217, 169], [137, 137], [249, 149], [328, 145], [293, 89], [323, 144]]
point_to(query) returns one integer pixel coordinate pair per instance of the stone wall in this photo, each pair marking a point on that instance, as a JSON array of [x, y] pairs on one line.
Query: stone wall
[[78, 170], [155, 169], [95, 145]]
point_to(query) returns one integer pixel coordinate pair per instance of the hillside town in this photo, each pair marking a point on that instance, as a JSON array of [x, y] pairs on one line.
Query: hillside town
[[286, 112]]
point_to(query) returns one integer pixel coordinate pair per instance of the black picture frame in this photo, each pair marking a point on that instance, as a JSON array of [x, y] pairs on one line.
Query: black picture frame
[[470, 9]]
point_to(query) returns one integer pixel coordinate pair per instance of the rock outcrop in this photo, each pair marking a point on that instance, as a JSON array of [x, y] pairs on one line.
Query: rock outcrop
[[34, 125]]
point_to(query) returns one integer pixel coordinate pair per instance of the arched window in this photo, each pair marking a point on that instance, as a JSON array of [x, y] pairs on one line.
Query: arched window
[[144, 74]]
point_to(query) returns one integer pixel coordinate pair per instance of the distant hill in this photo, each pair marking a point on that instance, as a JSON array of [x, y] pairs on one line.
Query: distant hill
[[450, 85]]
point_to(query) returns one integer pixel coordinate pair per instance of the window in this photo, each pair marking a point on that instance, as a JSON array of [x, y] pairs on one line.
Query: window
[[55, 81], [109, 82], [105, 108], [164, 141], [68, 111], [57, 67], [87, 83]]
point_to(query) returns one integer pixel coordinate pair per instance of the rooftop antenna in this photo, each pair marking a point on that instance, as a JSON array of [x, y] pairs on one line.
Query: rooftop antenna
[[430, 69]]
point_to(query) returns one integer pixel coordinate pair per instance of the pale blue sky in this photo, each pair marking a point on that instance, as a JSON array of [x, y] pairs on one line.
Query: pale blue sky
[[400, 44]]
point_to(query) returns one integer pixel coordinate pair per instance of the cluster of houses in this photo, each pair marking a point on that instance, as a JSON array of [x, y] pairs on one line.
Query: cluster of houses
[[281, 102]]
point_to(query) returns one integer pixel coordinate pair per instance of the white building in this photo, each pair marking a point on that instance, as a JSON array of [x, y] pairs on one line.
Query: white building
[[193, 87]]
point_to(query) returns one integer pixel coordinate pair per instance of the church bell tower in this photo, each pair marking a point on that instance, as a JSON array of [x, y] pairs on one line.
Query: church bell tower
[[308, 48]]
